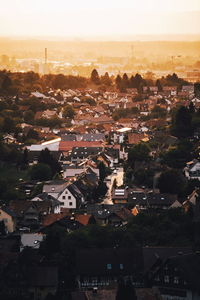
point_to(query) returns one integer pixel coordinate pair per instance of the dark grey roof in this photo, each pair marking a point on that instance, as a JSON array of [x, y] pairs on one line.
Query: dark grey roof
[[68, 137], [42, 276], [189, 265], [75, 191], [8, 211], [85, 151], [151, 199], [151, 254], [95, 261]]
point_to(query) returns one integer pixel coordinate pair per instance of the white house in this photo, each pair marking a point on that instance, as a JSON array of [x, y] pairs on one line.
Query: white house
[[66, 193]]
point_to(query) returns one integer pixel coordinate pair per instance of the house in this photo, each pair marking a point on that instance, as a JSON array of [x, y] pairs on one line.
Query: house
[[9, 218], [35, 282], [69, 145], [87, 183], [120, 196], [192, 170], [103, 267], [66, 193], [68, 222], [105, 216], [143, 201], [80, 153], [136, 138], [30, 213], [41, 281], [72, 170], [178, 277], [32, 240]]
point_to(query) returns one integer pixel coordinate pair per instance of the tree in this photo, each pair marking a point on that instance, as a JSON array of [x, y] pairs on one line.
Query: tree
[[59, 81], [118, 81], [139, 152], [102, 171], [182, 123], [158, 112], [197, 89], [7, 83], [47, 158], [172, 182], [159, 86], [32, 134], [106, 80], [95, 77], [41, 172], [124, 82], [29, 116], [68, 112], [8, 125], [191, 108], [24, 161], [125, 290]]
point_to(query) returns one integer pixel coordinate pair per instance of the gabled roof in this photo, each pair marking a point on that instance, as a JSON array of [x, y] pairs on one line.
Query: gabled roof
[[69, 145], [152, 254], [8, 211], [56, 186], [121, 261], [189, 266]]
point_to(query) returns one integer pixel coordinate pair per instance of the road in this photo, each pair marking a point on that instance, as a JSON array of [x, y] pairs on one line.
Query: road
[[118, 175]]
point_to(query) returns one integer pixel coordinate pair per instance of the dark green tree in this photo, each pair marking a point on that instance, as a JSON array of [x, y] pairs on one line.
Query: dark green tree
[[159, 86], [118, 82], [47, 158], [68, 112], [102, 171], [182, 123], [139, 152], [95, 77], [172, 182], [105, 79], [40, 172]]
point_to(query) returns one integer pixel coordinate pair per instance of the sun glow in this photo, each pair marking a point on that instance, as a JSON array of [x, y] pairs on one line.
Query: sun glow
[[92, 17]]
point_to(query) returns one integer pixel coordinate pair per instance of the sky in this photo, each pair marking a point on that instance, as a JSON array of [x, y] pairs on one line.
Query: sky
[[85, 18]]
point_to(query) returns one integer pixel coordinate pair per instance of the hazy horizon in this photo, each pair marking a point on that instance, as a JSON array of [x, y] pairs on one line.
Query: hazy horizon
[[107, 38]]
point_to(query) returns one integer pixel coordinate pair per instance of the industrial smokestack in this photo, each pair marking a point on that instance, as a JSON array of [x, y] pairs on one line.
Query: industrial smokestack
[[45, 55]]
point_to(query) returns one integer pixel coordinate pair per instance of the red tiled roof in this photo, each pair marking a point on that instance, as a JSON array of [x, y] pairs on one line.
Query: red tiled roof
[[51, 218], [135, 138], [83, 219], [68, 145]]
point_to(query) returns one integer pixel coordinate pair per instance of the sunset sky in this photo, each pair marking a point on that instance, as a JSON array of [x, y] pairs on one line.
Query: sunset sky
[[66, 18]]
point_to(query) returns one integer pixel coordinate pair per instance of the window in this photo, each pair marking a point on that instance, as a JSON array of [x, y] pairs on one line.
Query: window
[[66, 192], [176, 280], [121, 266], [166, 279], [109, 267], [63, 197], [70, 203], [69, 197]]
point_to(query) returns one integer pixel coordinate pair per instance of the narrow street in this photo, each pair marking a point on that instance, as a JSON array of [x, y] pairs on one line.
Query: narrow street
[[118, 175]]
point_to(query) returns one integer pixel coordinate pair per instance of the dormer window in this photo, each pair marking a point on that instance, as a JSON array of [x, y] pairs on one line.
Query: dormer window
[[176, 280], [166, 279]]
